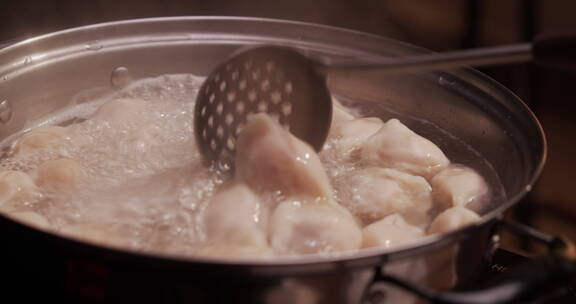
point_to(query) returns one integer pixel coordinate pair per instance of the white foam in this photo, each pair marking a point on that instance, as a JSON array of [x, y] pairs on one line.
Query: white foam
[[139, 170]]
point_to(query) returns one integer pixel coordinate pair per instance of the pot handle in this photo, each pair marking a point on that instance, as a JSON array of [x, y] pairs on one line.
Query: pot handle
[[521, 284]]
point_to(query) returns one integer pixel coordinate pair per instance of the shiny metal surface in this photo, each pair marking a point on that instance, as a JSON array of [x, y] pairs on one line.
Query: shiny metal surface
[[42, 74], [272, 80]]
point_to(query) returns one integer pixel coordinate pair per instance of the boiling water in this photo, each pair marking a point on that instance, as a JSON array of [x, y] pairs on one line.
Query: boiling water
[[144, 174], [145, 181]]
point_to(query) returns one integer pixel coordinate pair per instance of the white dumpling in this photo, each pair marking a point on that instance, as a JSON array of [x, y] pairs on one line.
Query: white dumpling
[[457, 186], [59, 174], [30, 218], [14, 184], [119, 110], [389, 232], [396, 146], [351, 134], [40, 138], [374, 193], [269, 158], [236, 216], [313, 226], [452, 219]]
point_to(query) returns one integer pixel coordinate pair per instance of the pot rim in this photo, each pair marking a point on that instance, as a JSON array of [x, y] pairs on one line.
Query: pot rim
[[369, 255]]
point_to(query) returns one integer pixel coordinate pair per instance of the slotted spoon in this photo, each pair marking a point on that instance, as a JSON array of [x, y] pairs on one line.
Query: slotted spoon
[[292, 88]]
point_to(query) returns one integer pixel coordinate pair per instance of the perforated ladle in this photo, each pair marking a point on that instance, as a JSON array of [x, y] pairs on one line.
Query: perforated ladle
[[292, 88]]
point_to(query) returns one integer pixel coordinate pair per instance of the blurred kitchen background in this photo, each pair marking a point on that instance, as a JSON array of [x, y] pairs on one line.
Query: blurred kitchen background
[[435, 24]]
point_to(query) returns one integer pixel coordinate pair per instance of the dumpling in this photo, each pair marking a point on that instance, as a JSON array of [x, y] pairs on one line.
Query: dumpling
[[118, 110], [374, 193], [389, 232], [40, 138], [14, 184], [313, 226], [59, 174], [457, 186], [235, 216], [31, 218], [269, 158], [351, 134], [396, 146], [452, 219]]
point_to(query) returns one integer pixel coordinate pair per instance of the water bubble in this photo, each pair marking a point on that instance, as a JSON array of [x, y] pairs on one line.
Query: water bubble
[[94, 46], [443, 81], [120, 77], [5, 111]]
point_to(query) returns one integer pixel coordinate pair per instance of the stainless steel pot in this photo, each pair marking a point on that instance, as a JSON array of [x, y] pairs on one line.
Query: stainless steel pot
[[40, 75]]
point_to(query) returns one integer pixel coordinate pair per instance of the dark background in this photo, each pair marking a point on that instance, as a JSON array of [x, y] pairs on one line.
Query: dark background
[[438, 25]]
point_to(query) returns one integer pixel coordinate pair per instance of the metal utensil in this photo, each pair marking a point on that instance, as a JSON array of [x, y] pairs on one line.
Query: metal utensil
[[279, 81], [292, 88]]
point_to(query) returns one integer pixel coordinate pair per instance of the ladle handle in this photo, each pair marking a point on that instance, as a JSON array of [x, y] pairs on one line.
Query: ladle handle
[[443, 61], [559, 49]]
